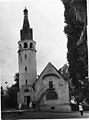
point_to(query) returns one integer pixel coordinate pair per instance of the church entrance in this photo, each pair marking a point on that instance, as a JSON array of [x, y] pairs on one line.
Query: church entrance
[[27, 100]]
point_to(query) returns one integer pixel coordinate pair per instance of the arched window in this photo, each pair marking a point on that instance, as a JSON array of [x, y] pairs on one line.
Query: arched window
[[26, 82], [26, 68], [25, 56], [52, 108], [50, 84], [25, 45], [31, 45], [51, 95], [26, 90]]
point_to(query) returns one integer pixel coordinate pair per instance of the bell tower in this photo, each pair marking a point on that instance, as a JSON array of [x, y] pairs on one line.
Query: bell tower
[[27, 54]]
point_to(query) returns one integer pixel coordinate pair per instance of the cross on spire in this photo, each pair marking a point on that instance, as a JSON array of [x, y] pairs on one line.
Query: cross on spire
[[25, 11]]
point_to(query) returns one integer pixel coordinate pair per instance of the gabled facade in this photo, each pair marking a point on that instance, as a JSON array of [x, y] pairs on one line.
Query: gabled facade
[[52, 91]]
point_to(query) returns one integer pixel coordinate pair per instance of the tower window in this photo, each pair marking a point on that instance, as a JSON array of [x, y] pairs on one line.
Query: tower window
[[26, 82], [25, 56], [31, 45], [25, 45], [26, 68]]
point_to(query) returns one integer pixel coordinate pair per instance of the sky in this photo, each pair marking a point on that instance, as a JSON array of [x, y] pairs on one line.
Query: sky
[[46, 17]]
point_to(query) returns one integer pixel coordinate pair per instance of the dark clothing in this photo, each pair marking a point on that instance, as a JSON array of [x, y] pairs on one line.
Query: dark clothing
[[81, 113]]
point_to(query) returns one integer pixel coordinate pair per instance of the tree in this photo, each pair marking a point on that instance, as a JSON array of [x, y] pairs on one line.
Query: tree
[[2, 91], [12, 93], [64, 72], [16, 79], [77, 55], [2, 97]]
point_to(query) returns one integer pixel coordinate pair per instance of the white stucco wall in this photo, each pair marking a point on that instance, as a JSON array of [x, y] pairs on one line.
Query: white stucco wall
[[29, 61], [62, 90]]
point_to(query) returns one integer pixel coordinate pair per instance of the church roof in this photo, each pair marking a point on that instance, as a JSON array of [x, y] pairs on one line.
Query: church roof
[[49, 70]]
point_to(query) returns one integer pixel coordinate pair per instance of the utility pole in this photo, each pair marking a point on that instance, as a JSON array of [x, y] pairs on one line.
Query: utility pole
[[1, 71], [88, 32]]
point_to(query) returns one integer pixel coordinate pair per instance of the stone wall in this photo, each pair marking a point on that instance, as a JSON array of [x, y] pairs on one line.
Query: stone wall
[[59, 108]]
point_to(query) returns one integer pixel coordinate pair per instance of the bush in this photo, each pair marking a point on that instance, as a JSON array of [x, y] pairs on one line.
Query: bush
[[75, 107]]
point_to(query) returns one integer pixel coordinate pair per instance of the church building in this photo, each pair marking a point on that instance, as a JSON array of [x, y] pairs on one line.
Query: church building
[[47, 92]]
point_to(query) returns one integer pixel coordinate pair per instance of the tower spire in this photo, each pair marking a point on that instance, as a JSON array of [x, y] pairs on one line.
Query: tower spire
[[25, 10], [26, 32], [26, 22]]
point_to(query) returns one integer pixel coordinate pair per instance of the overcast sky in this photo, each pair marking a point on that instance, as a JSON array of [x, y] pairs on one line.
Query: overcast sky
[[46, 17]]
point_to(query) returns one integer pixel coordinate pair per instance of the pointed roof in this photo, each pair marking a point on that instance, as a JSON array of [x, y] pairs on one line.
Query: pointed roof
[[25, 10], [49, 69], [26, 32], [26, 22]]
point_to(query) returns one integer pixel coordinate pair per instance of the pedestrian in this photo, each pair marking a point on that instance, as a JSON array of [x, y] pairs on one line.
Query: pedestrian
[[20, 106], [30, 105], [81, 109]]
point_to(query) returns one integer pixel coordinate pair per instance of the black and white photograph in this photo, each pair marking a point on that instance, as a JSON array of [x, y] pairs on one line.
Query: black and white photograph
[[44, 59]]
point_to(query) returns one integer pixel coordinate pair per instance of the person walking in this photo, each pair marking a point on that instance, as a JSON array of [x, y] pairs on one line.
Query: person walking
[[30, 105], [20, 106], [81, 109]]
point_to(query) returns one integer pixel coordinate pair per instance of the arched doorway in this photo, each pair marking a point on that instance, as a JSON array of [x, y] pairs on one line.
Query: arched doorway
[[27, 99]]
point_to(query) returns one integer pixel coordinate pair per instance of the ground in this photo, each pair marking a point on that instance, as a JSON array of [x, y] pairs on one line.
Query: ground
[[42, 115]]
